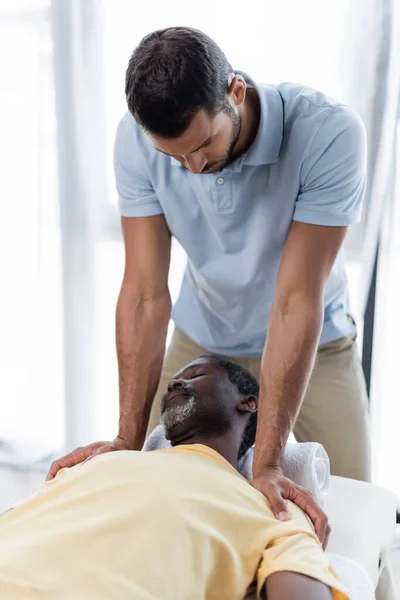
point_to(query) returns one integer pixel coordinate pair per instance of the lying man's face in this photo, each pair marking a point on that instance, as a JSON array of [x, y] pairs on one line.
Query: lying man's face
[[203, 402]]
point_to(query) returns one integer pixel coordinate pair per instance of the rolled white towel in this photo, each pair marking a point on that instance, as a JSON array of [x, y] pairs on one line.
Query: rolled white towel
[[306, 464]]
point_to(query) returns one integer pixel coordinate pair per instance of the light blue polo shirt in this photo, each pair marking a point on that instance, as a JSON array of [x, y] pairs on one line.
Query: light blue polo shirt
[[307, 163]]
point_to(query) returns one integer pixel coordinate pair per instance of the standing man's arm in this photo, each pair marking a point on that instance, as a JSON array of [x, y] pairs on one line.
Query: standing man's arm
[[332, 183], [143, 313], [294, 328], [144, 304]]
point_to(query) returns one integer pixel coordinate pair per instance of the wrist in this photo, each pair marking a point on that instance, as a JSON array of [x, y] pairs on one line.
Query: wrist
[[259, 470], [128, 429], [129, 443], [129, 438], [264, 460]]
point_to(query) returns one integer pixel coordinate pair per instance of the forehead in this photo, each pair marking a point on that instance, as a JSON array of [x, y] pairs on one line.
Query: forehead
[[209, 363], [201, 128]]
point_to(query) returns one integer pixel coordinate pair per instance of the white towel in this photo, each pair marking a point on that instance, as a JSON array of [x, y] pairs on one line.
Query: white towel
[[305, 464], [353, 576]]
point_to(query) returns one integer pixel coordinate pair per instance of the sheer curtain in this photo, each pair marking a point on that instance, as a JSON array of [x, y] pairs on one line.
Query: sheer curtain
[[31, 358], [370, 55], [81, 143], [385, 380]]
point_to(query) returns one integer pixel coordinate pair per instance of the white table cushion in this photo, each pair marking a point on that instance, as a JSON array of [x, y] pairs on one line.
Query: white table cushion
[[363, 521]]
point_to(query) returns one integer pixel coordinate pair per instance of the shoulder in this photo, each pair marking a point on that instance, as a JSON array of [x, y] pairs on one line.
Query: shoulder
[[316, 124], [302, 99], [309, 109], [130, 139], [134, 154]]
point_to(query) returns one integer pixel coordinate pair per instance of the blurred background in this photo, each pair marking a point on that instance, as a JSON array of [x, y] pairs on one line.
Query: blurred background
[[62, 66]]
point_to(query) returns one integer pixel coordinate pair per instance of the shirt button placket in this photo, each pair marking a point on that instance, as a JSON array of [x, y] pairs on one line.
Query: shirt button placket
[[222, 193]]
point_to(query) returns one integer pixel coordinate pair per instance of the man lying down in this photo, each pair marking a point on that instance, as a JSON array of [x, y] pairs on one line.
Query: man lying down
[[176, 524]]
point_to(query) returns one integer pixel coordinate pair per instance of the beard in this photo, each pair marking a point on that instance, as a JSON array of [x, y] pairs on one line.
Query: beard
[[190, 417], [174, 415], [225, 160], [236, 129]]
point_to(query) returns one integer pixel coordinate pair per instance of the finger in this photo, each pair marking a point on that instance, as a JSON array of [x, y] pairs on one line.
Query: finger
[[67, 461], [306, 502], [327, 535], [101, 450], [320, 525], [58, 464], [277, 502]]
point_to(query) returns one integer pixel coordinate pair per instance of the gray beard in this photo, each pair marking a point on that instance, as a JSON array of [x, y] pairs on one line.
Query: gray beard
[[175, 415]]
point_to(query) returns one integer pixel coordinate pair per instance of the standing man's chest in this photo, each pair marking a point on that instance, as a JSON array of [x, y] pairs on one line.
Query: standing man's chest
[[224, 212]]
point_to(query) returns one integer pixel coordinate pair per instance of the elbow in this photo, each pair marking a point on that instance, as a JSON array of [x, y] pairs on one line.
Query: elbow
[[146, 301], [300, 306], [143, 295], [154, 298]]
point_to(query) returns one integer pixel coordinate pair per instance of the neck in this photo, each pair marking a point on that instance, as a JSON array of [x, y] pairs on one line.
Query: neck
[[227, 444], [250, 115]]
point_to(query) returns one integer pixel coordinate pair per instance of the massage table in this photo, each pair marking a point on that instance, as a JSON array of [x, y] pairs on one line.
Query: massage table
[[363, 521]]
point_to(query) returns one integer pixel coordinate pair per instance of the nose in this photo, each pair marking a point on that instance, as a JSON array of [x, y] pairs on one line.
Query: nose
[[175, 384], [195, 163]]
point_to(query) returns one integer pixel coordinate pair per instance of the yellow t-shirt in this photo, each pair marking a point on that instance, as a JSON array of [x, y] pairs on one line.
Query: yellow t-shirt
[[177, 524]]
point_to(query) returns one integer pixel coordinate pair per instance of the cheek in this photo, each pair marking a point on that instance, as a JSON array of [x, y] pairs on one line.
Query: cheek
[[217, 396], [219, 147], [204, 389], [207, 394]]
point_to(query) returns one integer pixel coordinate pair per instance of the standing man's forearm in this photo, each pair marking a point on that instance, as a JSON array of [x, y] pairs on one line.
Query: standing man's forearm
[[141, 329], [294, 328], [288, 359]]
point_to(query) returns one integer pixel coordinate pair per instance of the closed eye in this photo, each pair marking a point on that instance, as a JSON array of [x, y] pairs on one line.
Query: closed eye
[[197, 375]]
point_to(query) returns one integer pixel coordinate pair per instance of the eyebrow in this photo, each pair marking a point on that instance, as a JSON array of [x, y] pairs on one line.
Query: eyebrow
[[205, 143]]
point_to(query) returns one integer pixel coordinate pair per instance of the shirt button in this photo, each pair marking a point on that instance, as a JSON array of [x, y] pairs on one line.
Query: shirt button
[[220, 180]]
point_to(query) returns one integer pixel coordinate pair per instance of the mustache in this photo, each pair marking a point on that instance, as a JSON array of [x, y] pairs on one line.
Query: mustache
[[186, 389]]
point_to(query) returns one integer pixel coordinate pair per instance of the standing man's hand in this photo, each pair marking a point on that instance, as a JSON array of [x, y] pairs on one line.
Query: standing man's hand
[[79, 455], [277, 488]]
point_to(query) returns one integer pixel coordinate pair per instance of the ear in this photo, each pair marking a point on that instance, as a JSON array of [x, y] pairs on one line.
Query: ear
[[248, 404], [237, 90]]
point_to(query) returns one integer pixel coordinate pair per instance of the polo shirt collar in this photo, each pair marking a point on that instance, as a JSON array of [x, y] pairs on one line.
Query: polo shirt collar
[[266, 147]]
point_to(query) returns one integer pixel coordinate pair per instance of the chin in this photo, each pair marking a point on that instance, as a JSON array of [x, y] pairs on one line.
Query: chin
[[180, 432], [173, 430], [169, 433], [177, 434]]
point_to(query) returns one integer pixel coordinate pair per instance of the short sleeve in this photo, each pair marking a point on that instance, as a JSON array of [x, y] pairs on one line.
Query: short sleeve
[[294, 547], [333, 176], [136, 196]]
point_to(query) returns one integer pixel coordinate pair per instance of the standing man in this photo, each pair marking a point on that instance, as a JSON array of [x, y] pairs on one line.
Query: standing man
[[258, 183]]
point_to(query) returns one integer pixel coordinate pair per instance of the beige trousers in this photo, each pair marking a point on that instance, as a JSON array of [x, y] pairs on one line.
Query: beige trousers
[[334, 411]]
